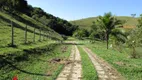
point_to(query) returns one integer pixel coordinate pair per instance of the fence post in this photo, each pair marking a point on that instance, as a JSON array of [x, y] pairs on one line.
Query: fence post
[[12, 34], [34, 35], [40, 35], [44, 35], [26, 34]]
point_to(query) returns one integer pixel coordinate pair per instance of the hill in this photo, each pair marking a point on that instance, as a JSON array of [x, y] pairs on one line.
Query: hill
[[87, 22], [19, 23], [27, 37]]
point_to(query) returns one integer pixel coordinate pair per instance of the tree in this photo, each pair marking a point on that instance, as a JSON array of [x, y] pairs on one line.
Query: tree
[[97, 32], [108, 22], [59, 25], [2, 3], [135, 39], [44, 20], [140, 21], [14, 5], [80, 33], [133, 15]]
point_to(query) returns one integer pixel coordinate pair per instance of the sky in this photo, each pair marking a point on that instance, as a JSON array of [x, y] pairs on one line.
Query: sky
[[79, 9]]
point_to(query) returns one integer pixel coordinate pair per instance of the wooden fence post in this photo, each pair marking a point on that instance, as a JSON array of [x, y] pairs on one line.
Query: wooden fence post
[[34, 34], [12, 34], [26, 34], [40, 35]]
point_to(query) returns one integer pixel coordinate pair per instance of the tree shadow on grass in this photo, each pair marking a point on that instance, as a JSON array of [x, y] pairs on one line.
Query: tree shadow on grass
[[24, 71]]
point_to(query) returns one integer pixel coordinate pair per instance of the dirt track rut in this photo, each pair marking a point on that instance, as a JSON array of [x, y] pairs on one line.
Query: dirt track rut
[[104, 70], [73, 70]]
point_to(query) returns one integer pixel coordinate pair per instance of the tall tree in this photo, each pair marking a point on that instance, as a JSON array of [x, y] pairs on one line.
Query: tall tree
[[108, 22], [2, 3], [133, 15], [14, 5]]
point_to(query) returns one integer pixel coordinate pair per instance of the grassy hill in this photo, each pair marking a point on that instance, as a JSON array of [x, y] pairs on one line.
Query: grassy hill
[[19, 23], [87, 22], [26, 60]]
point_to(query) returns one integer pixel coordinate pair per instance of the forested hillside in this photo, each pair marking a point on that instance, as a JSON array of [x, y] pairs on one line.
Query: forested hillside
[[19, 7]]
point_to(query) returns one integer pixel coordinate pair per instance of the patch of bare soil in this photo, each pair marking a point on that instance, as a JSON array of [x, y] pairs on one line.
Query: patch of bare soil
[[61, 61], [64, 49], [120, 63]]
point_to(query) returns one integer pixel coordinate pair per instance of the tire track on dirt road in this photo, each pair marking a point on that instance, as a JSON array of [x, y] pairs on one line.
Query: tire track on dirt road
[[104, 70], [72, 70]]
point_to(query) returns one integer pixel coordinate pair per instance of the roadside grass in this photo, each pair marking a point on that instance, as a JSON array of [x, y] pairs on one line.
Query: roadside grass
[[89, 72], [10, 50], [130, 68], [38, 67], [29, 60]]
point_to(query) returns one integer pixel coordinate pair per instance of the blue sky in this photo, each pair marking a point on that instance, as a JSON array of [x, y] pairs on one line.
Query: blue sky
[[78, 9]]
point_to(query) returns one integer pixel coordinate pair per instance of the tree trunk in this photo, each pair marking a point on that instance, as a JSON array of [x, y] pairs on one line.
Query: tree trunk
[[134, 52]]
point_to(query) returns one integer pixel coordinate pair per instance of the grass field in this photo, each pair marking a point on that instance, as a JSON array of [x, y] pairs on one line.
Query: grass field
[[19, 23], [38, 66], [89, 72], [130, 68], [87, 22]]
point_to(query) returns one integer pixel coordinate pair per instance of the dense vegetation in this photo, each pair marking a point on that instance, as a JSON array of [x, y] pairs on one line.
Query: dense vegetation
[[59, 25]]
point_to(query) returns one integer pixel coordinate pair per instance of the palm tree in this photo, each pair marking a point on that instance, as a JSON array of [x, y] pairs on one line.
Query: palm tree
[[108, 22]]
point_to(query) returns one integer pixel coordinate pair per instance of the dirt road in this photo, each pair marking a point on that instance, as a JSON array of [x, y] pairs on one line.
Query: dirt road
[[73, 70], [104, 70]]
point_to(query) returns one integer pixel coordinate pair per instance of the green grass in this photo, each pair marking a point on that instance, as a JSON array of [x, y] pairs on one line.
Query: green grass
[[87, 22], [19, 33], [37, 66], [19, 29], [130, 68], [9, 50], [5, 39], [89, 72], [32, 58]]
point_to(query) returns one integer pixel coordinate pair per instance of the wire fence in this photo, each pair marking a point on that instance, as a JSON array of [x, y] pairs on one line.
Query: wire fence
[[11, 36]]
